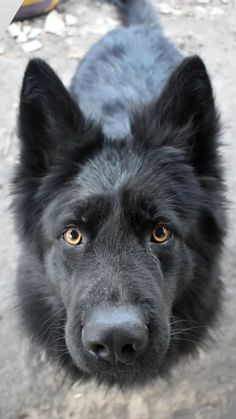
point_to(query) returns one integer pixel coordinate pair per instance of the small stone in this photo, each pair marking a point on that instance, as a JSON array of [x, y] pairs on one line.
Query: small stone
[[34, 33], [2, 49], [77, 395], [225, 1], [32, 46], [165, 9], [70, 41], [203, 1], [70, 20], [26, 29], [200, 11], [14, 30], [22, 38], [178, 12], [54, 24], [217, 11]]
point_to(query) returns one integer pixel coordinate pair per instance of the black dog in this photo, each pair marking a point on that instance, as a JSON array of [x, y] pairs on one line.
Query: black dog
[[119, 204]]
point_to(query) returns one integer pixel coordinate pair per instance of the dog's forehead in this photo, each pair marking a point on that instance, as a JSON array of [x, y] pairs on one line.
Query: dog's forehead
[[117, 169], [125, 182], [109, 172]]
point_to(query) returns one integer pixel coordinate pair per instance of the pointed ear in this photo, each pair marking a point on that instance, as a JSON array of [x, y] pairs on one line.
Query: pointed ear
[[187, 105], [186, 117], [49, 120]]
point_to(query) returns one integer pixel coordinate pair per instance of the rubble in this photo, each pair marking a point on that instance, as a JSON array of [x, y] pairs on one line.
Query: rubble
[[34, 33], [200, 11], [32, 46], [55, 24], [2, 49], [14, 30], [23, 34], [203, 1], [217, 11], [22, 38], [165, 9], [66, 25]]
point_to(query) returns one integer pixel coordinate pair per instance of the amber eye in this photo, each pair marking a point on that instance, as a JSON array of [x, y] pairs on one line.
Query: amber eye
[[160, 234], [72, 236]]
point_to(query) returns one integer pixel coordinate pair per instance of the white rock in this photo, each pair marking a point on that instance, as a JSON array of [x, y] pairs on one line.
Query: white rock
[[14, 30], [200, 11], [77, 395], [178, 12], [34, 33], [20, 32], [32, 46], [54, 24], [22, 38], [70, 41], [225, 1], [217, 11], [26, 29], [203, 1], [70, 20], [2, 49], [165, 9]]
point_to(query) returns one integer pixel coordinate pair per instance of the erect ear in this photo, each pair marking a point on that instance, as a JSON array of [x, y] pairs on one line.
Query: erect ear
[[49, 120], [185, 115]]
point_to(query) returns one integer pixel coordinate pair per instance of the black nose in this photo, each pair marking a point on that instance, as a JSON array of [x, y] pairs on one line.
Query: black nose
[[115, 334]]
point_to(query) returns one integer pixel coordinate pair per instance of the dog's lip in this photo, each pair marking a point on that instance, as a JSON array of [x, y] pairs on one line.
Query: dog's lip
[[121, 375], [92, 366], [99, 364]]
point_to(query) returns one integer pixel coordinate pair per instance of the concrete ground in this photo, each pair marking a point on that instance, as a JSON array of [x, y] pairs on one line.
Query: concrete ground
[[205, 388]]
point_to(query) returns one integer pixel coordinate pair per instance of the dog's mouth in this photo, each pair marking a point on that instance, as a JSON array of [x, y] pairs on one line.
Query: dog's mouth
[[133, 373], [119, 374]]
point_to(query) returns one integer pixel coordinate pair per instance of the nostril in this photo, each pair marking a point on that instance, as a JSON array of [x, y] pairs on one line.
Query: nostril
[[102, 352], [97, 349], [128, 350]]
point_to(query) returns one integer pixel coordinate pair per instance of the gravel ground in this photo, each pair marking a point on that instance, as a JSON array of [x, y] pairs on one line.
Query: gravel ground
[[205, 388]]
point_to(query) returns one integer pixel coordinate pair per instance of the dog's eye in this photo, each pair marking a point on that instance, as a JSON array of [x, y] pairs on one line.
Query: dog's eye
[[160, 234], [72, 236]]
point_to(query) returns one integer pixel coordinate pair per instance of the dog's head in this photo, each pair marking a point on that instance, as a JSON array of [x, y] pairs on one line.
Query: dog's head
[[120, 239]]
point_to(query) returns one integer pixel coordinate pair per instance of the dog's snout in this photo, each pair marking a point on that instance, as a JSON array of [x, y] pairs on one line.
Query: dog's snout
[[115, 334]]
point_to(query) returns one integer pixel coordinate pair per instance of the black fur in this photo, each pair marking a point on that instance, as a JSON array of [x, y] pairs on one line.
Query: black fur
[[137, 145]]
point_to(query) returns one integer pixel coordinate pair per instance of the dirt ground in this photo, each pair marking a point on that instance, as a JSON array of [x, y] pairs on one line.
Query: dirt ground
[[205, 388]]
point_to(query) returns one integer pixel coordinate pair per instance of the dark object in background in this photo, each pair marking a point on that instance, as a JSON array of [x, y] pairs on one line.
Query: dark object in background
[[119, 205], [30, 9]]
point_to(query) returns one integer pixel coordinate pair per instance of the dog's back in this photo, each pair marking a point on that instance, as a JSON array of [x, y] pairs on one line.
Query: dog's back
[[127, 68]]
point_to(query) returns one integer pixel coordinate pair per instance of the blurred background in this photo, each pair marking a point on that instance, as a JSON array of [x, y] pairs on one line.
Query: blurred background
[[204, 388]]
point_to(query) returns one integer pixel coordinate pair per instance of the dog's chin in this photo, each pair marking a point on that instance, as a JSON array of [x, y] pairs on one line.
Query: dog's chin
[[120, 376], [123, 376], [143, 370]]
